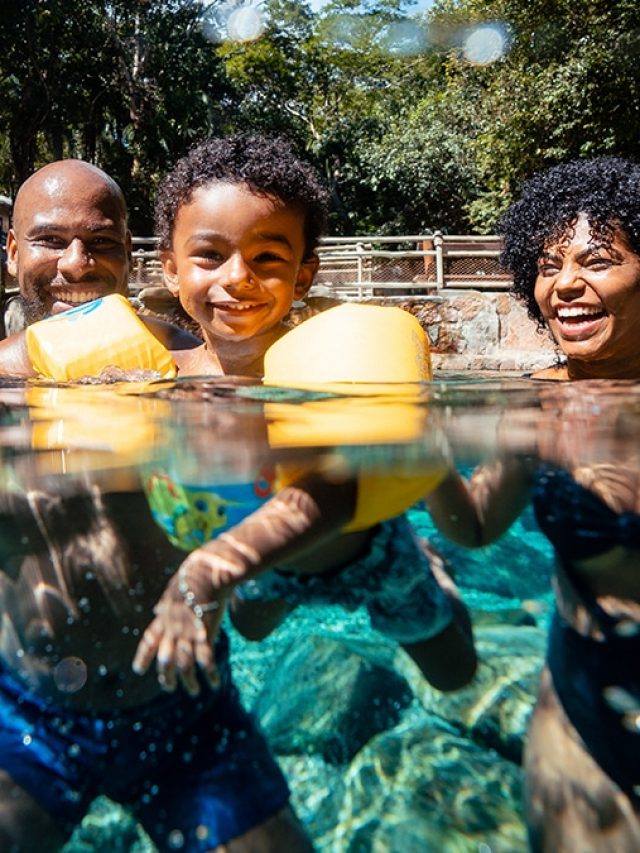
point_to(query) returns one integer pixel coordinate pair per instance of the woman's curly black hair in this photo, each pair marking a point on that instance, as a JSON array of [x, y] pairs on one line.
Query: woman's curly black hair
[[267, 165], [605, 189]]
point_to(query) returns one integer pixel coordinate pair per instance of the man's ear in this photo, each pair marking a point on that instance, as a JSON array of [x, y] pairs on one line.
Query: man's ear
[[170, 272], [12, 254], [306, 275]]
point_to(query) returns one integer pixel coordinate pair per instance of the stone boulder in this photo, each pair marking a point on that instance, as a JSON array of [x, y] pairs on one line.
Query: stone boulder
[[339, 694]]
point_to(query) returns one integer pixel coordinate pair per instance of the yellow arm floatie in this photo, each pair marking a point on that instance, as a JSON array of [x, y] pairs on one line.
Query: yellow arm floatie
[[357, 350], [84, 340]]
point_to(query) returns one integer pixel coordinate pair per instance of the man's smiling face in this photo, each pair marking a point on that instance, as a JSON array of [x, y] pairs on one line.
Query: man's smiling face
[[69, 243]]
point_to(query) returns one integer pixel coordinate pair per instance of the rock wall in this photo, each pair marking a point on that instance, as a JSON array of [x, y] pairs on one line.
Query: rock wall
[[474, 330]]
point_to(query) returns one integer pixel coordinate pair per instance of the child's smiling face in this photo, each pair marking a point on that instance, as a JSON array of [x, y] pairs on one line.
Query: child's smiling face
[[237, 262]]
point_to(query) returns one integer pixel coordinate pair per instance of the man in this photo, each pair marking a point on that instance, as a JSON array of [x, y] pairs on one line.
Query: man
[[70, 244], [81, 570]]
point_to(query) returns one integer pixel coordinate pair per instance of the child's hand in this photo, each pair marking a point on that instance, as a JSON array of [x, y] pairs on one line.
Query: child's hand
[[181, 637]]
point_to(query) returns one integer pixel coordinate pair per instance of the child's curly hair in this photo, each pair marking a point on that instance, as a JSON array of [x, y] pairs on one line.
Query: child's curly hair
[[605, 189], [267, 165]]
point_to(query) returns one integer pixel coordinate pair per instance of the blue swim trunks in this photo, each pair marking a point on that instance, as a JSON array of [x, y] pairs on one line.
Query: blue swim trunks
[[393, 580], [194, 772]]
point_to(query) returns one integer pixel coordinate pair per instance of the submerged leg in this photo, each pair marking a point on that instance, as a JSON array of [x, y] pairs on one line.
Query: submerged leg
[[255, 620], [448, 660], [25, 827], [280, 833], [571, 804]]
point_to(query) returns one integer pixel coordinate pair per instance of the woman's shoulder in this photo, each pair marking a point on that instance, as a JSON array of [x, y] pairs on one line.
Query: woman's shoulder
[[556, 374]]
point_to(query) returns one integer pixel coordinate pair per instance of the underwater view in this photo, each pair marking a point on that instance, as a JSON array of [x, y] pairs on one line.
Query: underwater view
[[376, 758]]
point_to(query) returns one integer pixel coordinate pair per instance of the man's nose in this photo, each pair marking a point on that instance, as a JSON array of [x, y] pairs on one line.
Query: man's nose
[[74, 260]]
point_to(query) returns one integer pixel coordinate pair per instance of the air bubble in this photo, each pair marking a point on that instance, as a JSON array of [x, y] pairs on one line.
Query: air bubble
[[70, 675], [245, 24], [175, 840]]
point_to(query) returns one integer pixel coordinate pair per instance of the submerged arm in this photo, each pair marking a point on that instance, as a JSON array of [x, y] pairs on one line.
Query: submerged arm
[[476, 512], [189, 612]]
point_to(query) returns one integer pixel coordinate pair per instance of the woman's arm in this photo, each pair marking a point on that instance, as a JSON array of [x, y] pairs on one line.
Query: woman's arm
[[476, 512]]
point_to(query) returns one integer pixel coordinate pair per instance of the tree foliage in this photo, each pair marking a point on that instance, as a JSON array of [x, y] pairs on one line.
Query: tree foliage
[[412, 128]]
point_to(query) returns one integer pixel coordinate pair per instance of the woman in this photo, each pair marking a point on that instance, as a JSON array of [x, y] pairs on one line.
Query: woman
[[572, 243]]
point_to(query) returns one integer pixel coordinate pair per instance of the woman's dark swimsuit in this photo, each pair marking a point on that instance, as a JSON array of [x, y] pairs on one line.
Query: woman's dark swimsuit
[[586, 670]]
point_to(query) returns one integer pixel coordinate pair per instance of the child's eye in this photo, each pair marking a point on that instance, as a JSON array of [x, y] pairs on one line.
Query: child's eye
[[270, 257], [209, 255]]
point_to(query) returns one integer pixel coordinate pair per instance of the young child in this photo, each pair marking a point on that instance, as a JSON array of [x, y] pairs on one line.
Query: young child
[[239, 220]]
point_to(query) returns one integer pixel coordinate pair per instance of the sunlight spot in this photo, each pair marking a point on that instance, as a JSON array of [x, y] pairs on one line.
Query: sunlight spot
[[404, 38], [246, 24], [485, 44]]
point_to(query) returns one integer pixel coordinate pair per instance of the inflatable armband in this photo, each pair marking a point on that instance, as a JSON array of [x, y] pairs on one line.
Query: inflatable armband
[[370, 353], [351, 343], [84, 340], [95, 426]]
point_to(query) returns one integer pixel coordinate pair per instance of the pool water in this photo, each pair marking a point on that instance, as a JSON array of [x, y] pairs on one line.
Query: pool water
[[376, 759], [428, 771]]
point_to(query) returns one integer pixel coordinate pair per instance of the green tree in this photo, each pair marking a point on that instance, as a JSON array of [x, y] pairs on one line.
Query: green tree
[[128, 85]]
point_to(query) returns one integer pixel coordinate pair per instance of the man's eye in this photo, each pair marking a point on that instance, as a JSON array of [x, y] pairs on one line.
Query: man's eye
[[50, 242]]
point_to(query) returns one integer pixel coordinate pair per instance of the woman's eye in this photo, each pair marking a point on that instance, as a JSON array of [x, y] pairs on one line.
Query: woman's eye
[[547, 269]]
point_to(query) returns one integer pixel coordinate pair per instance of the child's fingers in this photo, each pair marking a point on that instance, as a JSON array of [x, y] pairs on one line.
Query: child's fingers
[[147, 648], [185, 658], [206, 663], [166, 662]]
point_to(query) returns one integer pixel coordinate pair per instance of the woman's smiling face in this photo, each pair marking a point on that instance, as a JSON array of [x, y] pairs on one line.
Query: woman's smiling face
[[588, 290]]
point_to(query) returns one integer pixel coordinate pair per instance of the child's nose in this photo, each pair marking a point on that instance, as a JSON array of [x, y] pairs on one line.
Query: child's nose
[[237, 272]]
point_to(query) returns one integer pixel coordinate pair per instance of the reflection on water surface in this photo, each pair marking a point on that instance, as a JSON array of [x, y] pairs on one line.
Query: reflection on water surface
[[376, 759]]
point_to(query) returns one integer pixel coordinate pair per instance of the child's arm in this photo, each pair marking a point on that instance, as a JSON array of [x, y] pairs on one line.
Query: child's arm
[[189, 612], [478, 511]]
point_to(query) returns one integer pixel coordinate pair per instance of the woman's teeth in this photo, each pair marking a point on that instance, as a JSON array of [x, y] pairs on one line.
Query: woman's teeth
[[578, 313]]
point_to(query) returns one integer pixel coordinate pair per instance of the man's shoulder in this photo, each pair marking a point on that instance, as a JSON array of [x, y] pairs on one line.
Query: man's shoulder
[[171, 336]]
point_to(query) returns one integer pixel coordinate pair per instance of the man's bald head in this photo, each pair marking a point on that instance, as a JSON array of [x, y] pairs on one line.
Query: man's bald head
[[65, 177], [69, 242]]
